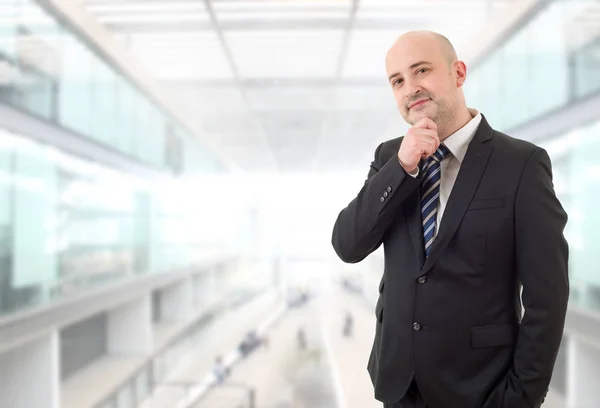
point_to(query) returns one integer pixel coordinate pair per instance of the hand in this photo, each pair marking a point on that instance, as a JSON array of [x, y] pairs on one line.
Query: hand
[[420, 142]]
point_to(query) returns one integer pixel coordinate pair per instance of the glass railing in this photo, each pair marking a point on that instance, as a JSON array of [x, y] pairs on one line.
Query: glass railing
[[46, 69], [68, 225]]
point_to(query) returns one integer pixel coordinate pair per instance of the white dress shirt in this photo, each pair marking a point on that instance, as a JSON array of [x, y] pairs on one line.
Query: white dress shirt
[[457, 143]]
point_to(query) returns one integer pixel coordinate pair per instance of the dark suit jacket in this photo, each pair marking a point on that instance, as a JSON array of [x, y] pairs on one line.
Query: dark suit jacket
[[454, 320]]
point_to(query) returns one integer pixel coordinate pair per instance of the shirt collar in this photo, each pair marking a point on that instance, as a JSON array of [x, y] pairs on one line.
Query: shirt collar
[[458, 142]]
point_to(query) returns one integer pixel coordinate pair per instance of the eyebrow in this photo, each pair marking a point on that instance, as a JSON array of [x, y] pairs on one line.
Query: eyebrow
[[413, 66]]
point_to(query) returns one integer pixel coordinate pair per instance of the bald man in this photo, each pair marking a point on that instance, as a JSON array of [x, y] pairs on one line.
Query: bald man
[[467, 217]]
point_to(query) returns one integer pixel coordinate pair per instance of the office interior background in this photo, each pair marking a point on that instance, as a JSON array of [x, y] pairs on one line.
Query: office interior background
[[170, 172]]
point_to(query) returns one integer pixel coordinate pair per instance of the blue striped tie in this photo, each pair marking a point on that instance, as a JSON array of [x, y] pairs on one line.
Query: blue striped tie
[[430, 195]]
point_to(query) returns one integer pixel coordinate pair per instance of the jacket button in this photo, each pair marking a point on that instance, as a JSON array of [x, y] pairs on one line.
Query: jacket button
[[382, 199], [416, 326], [422, 279], [389, 189], [385, 193]]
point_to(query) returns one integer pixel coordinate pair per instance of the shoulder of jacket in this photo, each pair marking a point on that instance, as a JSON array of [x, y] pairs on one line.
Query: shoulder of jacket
[[513, 146]]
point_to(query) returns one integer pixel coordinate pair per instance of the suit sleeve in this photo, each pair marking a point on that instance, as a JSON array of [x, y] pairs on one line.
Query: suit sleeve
[[542, 267], [360, 227]]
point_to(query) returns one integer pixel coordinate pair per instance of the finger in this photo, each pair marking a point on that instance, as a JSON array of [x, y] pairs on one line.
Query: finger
[[425, 123], [427, 147], [430, 133], [431, 138]]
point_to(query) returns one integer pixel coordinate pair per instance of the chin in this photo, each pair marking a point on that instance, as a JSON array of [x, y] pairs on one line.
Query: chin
[[421, 113], [414, 117]]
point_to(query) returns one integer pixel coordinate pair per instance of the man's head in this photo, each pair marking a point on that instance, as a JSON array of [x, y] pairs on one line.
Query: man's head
[[426, 77]]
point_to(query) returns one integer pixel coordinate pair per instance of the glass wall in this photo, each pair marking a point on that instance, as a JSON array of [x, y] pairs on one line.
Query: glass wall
[[46, 69], [549, 62], [67, 225], [576, 166]]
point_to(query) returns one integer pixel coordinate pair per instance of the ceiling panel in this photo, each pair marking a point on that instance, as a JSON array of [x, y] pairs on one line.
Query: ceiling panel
[[311, 92], [281, 5], [290, 98], [181, 56], [283, 15], [204, 100], [158, 18], [280, 53], [144, 7], [366, 53]]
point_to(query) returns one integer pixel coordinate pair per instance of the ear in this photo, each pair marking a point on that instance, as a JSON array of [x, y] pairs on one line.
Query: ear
[[460, 72]]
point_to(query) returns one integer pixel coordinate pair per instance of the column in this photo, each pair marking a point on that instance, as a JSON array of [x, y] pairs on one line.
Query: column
[[29, 374], [130, 328], [177, 301], [202, 291], [583, 372]]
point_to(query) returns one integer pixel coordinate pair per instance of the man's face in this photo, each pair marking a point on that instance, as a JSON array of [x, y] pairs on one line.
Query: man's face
[[422, 79]]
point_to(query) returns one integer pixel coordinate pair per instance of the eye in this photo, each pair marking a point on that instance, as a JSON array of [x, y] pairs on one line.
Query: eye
[[398, 82], [422, 70]]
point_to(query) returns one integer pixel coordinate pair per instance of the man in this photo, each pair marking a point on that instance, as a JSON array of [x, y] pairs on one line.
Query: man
[[220, 371], [467, 217]]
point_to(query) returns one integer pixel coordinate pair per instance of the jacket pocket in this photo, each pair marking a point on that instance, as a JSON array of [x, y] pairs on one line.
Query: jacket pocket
[[494, 335], [484, 203]]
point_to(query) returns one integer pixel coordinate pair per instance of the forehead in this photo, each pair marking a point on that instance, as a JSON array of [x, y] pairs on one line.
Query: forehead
[[409, 50]]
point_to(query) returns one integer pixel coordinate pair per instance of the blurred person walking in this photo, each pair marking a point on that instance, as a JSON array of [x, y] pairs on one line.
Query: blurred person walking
[[467, 217], [301, 338], [348, 327]]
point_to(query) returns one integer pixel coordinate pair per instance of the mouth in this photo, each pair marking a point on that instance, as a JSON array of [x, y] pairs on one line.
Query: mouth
[[418, 103]]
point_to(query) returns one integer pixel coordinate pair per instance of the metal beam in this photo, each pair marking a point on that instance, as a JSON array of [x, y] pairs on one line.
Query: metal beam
[[25, 124], [219, 31], [560, 120], [346, 39], [266, 25]]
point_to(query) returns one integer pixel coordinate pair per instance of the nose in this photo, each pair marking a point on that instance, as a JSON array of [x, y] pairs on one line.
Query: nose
[[411, 89]]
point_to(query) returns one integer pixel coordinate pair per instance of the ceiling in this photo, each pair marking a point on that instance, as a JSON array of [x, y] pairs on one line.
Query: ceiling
[[290, 86]]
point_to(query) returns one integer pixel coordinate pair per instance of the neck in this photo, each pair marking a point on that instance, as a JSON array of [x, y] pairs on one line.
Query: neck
[[460, 120]]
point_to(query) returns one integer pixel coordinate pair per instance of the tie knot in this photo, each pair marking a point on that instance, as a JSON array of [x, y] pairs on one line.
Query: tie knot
[[440, 153]]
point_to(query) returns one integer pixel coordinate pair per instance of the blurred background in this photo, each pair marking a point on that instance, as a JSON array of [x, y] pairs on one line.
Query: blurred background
[[170, 172]]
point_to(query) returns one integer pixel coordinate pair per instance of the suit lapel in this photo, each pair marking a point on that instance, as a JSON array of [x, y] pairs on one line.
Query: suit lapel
[[468, 178]]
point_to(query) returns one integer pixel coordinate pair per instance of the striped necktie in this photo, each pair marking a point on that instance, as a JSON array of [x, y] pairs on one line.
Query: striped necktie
[[430, 195]]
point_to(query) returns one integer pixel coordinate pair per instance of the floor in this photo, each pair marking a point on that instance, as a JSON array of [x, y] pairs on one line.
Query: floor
[[329, 372]]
